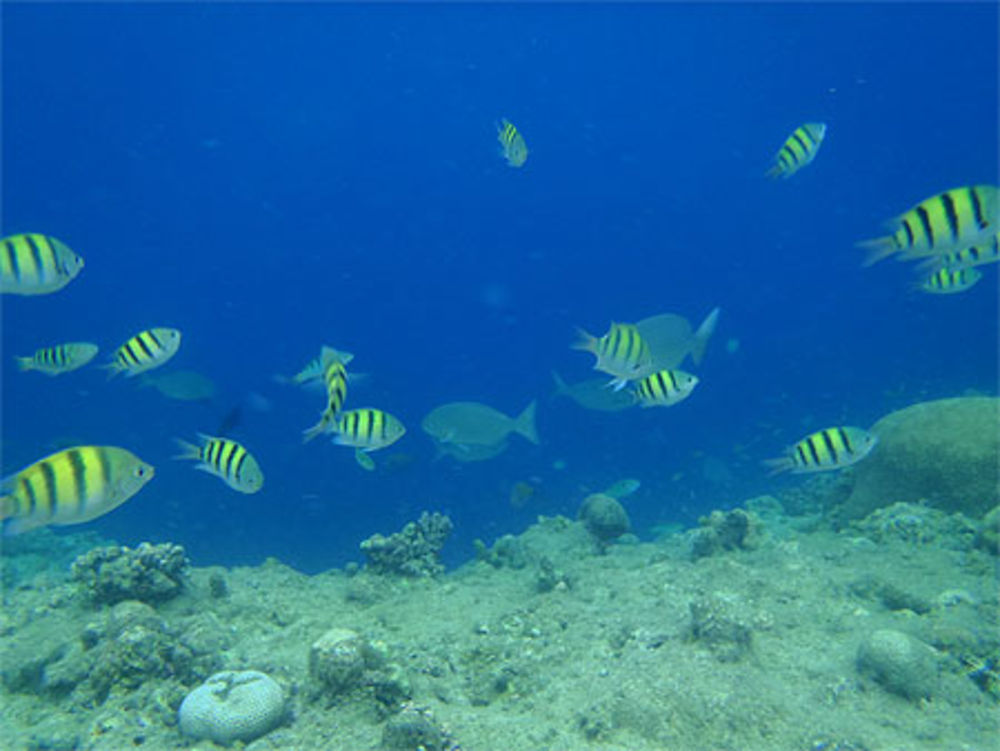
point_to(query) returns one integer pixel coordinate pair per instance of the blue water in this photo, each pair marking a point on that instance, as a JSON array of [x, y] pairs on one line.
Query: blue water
[[270, 177]]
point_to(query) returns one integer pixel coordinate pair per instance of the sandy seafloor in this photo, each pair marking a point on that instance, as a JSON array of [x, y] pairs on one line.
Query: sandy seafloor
[[596, 647]]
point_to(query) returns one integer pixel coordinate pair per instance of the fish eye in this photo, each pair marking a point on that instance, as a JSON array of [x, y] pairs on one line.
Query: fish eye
[[140, 471]]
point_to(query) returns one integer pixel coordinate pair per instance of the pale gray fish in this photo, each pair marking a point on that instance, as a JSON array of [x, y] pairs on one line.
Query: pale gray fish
[[472, 423], [469, 452], [182, 385], [671, 339], [594, 393], [623, 488]]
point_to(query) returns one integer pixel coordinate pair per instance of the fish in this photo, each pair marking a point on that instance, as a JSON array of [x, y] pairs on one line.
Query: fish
[[182, 385], [594, 394], [798, 150], [335, 378], [60, 358], [465, 424], [670, 339], [664, 388], [34, 264], [367, 429], [622, 489], [470, 452], [226, 459], [71, 486], [948, 281], [512, 145], [824, 450], [966, 258], [146, 350], [314, 369], [951, 220], [520, 493], [622, 353]]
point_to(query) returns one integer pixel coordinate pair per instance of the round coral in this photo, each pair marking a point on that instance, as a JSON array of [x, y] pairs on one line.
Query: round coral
[[233, 706]]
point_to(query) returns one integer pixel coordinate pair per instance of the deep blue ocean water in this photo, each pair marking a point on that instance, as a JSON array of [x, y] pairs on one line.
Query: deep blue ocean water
[[271, 177]]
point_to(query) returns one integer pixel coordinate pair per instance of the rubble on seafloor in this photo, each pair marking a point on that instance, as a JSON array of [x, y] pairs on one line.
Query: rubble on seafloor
[[755, 630]]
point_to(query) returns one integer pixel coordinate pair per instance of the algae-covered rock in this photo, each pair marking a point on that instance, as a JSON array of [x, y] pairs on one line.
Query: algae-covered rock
[[148, 573], [899, 663], [604, 517], [414, 729], [414, 552], [337, 660], [944, 452], [725, 530], [988, 536], [233, 706]]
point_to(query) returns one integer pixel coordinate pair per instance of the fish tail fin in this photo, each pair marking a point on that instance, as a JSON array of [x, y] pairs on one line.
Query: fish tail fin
[[25, 363], [113, 368], [878, 249], [584, 341], [774, 172], [562, 388], [703, 334], [525, 423], [318, 429], [779, 465], [187, 450]]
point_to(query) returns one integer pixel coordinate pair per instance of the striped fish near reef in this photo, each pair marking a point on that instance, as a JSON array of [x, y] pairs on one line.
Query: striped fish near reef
[[146, 350], [827, 449], [621, 353], [335, 378], [227, 460], [33, 264], [71, 487], [367, 429], [664, 388], [946, 222], [61, 358]]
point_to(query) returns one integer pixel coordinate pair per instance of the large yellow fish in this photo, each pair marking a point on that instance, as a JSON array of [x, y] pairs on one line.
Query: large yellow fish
[[798, 150], [948, 221], [61, 358], [621, 353], [33, 264], [512, 145], [71, 487]]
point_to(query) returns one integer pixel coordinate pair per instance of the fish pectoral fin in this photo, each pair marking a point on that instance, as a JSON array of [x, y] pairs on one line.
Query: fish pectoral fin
[[617, 384]]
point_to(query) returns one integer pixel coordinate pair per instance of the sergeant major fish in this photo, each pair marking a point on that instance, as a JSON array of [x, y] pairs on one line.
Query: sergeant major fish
[[33, 264], [61, 358], [948, 281], [146, 350], [512, 145], [621, 353], [227, 460], [827, 449], [948, 221], [798, 150], [335, 378], [71, 487], [664, 388], [367, 429]]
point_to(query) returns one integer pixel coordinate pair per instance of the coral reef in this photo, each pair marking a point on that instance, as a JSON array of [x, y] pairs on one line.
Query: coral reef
[[718, 623], [415, 729], [945, 453], [148, 573], [414, 551], [604, 517], [725, 530], [899, 663], [342, 661], [918, 524], [233, 706]]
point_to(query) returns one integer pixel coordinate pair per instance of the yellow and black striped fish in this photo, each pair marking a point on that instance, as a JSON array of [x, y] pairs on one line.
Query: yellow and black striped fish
[[948, 221], [622, 353], [33, 264], [367, 429], [226, 459], [70, 487], [966, 258], [664, 388], [512, 145], [950, 281], [830, 448], [798, 150], [335, 379], [62, 358], [314, 369], [146, 350]]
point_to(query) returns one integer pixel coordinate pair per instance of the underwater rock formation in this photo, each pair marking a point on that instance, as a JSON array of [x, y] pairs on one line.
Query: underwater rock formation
[[342, 660], [899, 663], [725, 530], [718, 623], [945, 453], [414, 551], [604, 517], [233, 706], [148, 573]]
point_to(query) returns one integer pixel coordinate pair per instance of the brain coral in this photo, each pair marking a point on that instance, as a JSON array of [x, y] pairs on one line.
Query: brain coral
[[233, 706], [944, 452]]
